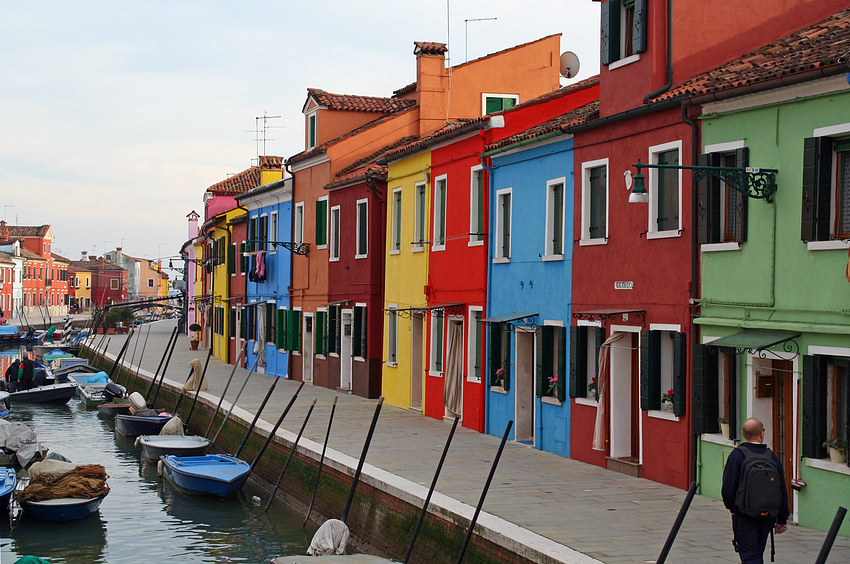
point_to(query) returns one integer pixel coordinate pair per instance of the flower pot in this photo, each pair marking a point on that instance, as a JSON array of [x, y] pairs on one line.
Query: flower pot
[[110, 331], [193, 344], [667, 406], [837, 456], [724, 430]]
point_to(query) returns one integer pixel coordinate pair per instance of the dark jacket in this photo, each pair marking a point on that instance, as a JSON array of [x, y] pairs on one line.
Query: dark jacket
[[29, 369], [731, 477], [12, 371]]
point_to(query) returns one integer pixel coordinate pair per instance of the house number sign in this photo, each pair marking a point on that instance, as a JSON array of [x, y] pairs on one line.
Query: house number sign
[[624, 285]]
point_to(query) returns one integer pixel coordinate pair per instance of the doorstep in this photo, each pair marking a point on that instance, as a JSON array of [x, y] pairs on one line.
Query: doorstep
[[626, 465]]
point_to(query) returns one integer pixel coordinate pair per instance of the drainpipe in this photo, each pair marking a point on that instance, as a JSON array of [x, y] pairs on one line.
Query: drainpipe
[[289, 355], [669, 83], [486, 375]]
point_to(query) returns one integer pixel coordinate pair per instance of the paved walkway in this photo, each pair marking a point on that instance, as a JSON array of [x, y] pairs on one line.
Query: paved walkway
[[572, 511]]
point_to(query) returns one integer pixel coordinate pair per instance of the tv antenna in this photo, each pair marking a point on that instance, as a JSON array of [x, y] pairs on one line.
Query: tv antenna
[[265, 118], [466, 24]]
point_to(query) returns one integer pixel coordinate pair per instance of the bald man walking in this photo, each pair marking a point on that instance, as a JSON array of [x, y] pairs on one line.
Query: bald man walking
[[751, 532]]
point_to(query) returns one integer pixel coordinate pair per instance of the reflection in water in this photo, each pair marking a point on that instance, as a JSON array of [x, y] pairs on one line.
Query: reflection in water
[[143, 518]]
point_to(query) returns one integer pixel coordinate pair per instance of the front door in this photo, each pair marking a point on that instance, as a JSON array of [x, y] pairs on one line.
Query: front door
[[624, 398], [783, 422], [345, 353], [307, 349], [417, 366], [525, 398]]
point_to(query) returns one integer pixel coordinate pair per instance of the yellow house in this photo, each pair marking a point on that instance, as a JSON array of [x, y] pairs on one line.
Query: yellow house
[[406, 273], [223, 262], [82, 278]]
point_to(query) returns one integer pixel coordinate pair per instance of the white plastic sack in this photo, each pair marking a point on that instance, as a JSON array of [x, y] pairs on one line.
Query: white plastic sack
[[331, 538], [174, 426], [50, 469], [191, 384]]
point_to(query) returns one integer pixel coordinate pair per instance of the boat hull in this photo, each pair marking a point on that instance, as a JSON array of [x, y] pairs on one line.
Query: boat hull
[[155, 446], [8, 480], [63, 509], [91, 395], [51, 393], [135, 425], [111, 409], [212, 474]]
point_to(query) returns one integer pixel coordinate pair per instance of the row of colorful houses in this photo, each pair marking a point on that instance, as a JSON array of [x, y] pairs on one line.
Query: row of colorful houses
[[626, 267]]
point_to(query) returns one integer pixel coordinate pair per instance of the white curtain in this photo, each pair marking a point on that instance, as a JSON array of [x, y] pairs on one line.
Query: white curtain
[[602, 382], [453, 377], [260, 343]]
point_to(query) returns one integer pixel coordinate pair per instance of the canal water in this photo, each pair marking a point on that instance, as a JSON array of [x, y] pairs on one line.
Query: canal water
[[143, 519]]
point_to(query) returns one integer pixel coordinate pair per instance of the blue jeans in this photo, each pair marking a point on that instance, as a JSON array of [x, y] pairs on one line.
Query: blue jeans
[[751, 537]]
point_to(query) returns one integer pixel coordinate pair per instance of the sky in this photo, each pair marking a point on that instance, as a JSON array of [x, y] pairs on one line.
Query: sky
[[115, 117]]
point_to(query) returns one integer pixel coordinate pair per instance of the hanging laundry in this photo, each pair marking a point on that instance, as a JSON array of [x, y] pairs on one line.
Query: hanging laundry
[[261, 266]]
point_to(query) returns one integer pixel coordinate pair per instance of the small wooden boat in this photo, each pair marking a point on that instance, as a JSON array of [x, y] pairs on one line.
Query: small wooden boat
[[212, 474], [156, 446], [50, 393], [91, 388], [114, 407], [91, 395], [135, 425], [8, 480], [62, 509]]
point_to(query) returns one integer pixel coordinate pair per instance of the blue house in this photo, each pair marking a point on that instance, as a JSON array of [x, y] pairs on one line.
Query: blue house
[[529, 284], [268, 265]]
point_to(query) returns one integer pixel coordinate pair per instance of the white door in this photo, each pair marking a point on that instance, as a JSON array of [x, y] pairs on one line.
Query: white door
[[307, 349], [345, 353], [417, 367], [525, 398]]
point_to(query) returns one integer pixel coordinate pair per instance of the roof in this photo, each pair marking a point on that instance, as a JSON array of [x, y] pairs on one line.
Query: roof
[[371, 170], [28, 230], [247, 179], [817, 46], [553, 125], [59, 258], [6, 258], [355, 103], [29, 255], [429, 48]]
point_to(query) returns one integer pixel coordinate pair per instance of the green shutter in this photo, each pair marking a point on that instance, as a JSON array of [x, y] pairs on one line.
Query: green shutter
[[610, 35], [494, 351], [320, 332], [578, 362], [742, 160], [561, 337], [544, 352], [680, 361], [817, 188], [312, 120], [814, 407], [704, 383], [280, 329], [293, 330], [363, 332], [639, 26], [492, 104], [506, 356], [321, 222], [708, 206], [650, 370]]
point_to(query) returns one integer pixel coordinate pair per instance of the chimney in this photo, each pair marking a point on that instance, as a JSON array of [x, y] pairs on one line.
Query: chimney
[[4, 232], [117, 249], [85, 255], [431, 89]]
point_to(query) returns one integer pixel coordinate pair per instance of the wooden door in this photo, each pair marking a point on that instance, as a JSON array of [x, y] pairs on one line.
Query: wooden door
[[783, 419]]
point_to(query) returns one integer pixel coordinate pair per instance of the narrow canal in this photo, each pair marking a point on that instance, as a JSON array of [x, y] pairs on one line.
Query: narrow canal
[[143, 519]]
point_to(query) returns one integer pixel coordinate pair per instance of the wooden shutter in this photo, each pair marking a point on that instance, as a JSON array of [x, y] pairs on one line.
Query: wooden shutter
[[817, 189], [270, 309], [708, 207], [544, 359], [244, 260], [231, 259], [495, 352], [280, 329], [561, 369], [578, 362], [742, 160], [732, 371], [321, 222], [704, 383], [506, 355], [293, 331], [320, 344], [814, 406], [650, 370], [610, 35], [252, 234], [231, 323], [243, 324], [639, 27], [363, 332], [680, 362], [263, 235]]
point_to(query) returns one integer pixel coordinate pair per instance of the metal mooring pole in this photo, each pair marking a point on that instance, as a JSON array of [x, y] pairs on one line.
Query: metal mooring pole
[[830, 535], [668, 544], [291, 452], [362, 459]]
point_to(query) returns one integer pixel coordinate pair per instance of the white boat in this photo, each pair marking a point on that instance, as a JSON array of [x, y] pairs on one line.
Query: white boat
[[181, 445]]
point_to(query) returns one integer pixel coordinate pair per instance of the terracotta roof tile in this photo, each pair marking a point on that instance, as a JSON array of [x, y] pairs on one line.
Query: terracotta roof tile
[[29, 255], [353, 103], [376, 155], [360, 174], [405, 90], [28, 230], [559, 123], [817, 46], [429, 48], [247, 179]]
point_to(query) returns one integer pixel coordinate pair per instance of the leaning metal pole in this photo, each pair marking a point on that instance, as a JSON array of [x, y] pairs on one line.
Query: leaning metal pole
[[830, 535], [668, 544]]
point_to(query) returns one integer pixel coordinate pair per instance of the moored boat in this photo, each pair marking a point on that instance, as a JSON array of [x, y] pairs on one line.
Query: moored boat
[[155, 446], [62, 509], [50, 393], [114, 407], [135, 425], [212, 474], [8, 480]]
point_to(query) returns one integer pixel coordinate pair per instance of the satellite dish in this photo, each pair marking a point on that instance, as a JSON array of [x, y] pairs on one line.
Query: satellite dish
[[569, 64]]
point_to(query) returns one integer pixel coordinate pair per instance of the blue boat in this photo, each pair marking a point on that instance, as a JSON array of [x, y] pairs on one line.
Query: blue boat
[[8, 480], [212, 474], [135, 425], [62, 509]]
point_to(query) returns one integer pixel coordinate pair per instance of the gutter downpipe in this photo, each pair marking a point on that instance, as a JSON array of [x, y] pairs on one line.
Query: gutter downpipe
[[669, 84], [289, 355], [489, 168]]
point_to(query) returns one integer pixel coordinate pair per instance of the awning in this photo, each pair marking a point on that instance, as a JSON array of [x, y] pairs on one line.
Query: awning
[[754, 340], [508, 317], [610, 314]]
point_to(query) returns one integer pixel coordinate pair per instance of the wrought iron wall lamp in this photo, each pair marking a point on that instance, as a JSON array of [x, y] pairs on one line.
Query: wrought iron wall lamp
[[759, 183]]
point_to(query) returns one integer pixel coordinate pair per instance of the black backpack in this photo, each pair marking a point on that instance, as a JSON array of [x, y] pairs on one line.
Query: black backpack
[[759, 492]]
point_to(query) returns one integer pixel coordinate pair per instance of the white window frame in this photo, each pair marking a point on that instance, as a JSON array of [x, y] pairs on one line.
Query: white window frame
[[586, 168], [474, 195], [396, 225], [498, 254], [550, 253], [440, 209], [485, 95], [113, 284], [392, 335], [420, 219], [333, 235], [299, 223], [436, 332], [314, 116], [327, 221], [472, 339], [652, 189], [362, 226], [839, 130]]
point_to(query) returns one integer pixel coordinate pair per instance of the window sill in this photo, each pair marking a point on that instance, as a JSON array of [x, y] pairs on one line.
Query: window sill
[[587, 401], [475, 244], [359, 359], [395, 252], [828, 465], [550, 400], [663, 234], [333, 259], [501, 260], [827, 245], [666, 415], [718, 439], [417, 249], [357, 257], [711, 247], [498, 389], [551, 258], [591, 242], [391, 364], [473, 380], [325, 246], [437, 248], [623, 62], [435, 373]]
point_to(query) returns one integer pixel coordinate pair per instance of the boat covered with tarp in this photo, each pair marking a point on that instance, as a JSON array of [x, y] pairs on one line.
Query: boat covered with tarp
[[56, 490], [19, 445]]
